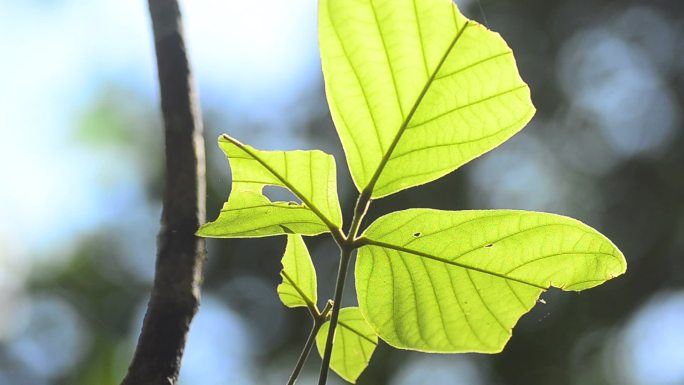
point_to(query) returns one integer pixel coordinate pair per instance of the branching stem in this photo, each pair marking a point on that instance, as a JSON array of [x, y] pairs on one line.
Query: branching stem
[[347, 245], [305, 352], [318, 321], [346, 249], [345, 256], [359, 213]]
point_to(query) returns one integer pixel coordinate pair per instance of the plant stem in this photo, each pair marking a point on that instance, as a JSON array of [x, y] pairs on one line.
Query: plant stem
[[360, 211], [346, 249], [319, 319], [345, 256], [318, 322]]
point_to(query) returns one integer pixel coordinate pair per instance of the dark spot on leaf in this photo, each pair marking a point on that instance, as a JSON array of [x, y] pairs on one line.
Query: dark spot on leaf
[[489, 245], [418, 234]]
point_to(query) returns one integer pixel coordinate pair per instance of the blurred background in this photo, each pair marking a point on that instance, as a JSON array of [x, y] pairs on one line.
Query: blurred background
[[81, 170]]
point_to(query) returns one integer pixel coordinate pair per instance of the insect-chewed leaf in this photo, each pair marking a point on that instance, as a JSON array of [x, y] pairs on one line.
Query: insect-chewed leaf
[[298, 288], [458, 281], [309, 175], [415, 89], [353, 345]]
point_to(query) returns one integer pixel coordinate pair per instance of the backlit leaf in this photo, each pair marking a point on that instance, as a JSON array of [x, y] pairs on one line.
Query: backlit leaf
[[298, 288], [458, 281], [353, 345], [415, 89], [309, 175]]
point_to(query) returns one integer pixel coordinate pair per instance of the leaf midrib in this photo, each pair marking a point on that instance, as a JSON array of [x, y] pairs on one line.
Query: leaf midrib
[[307, 300], [371, 242], [333, 228], [353, 330], [383, 162]]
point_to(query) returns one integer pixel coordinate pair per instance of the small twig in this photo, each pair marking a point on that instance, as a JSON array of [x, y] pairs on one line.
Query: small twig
[[346, 249], [339, 290], [319, 319]]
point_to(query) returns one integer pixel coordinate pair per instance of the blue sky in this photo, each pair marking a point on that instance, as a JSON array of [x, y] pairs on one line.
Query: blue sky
[[61, 52]]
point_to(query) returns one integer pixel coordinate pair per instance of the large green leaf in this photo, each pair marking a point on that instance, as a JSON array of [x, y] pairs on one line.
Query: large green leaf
[[415, 89], [298, 288], [353, 345], [309, 175], [458, 281]]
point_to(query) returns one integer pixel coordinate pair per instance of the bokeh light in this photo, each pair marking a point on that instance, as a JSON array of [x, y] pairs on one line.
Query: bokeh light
[[652, 342]]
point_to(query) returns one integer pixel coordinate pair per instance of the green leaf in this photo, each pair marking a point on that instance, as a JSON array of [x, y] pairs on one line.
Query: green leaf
[[458, 281], [309, 175], [415, 89], [298, 288], [353, 345]]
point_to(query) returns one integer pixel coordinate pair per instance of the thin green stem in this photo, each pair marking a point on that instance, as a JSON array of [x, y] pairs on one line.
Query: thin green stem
[[319, 319], [360, 211], [345, 256], [305, 352], [346, 249]]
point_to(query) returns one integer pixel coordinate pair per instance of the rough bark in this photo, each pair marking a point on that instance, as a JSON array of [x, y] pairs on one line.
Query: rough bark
[[174, 299]]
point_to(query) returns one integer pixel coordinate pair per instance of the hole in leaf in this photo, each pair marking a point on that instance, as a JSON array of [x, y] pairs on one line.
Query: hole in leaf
[[280, 194], [417, 234]]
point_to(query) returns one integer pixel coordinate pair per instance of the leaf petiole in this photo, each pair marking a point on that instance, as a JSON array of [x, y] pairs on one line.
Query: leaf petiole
[[305, 352], [345, 256], [319, 319], [346, 249]]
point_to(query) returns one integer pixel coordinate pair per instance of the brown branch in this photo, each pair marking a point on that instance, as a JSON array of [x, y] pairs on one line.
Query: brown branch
[[175, 295]]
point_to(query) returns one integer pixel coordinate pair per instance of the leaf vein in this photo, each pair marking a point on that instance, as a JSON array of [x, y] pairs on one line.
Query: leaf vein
[[389, 62], [485, 305], [469, 66], [370, 242], [470, 104], [294, 190], [358, 79], [408, 118]]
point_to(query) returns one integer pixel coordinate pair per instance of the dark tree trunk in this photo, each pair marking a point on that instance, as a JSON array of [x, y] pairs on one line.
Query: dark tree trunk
[[175, 295]]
